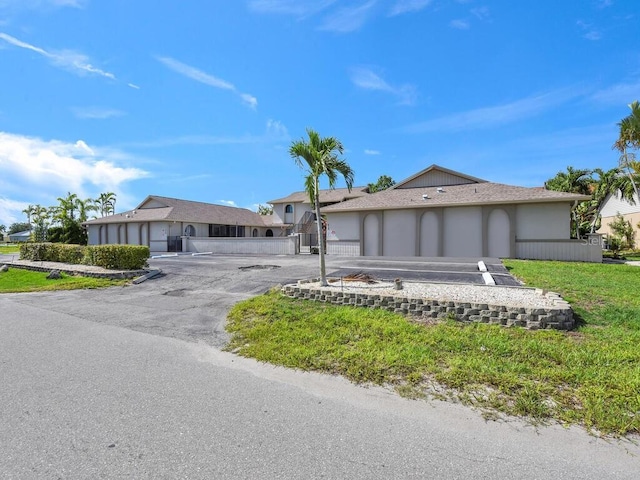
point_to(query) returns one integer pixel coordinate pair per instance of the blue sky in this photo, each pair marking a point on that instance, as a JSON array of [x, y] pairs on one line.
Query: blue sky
[[200, 99]]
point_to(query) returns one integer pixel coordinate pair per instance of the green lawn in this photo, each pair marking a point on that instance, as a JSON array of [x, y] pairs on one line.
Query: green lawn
[[9, 249], [18, 280], [590, 376]]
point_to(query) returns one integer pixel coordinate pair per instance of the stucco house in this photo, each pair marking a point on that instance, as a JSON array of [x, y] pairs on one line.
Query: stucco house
[[295, 212], [613, 205], [23, 236], [440, 212], [162, 223]]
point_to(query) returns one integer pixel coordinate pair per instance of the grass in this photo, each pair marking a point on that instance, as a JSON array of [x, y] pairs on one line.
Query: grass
[[7, 249], [17, 280], [590, 376]]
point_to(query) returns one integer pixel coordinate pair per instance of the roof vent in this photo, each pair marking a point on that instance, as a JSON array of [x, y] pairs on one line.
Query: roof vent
[[440, 190], [425, 197]]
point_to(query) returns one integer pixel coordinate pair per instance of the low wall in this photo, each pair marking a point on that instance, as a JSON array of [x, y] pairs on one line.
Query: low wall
[[248, 246], [84, 271], [343, 248], [560, 317], [586, 250]]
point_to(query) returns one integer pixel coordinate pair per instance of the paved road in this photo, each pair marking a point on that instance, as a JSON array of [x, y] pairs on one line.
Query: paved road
[[93, 387]]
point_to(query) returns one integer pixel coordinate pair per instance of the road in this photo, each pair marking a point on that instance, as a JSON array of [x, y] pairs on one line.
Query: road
[[129, 382]]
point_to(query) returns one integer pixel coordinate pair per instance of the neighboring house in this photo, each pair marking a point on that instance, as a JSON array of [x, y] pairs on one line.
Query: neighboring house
[[439, 212], [295, 212], [24, 236], [613, 205], [162, 222]]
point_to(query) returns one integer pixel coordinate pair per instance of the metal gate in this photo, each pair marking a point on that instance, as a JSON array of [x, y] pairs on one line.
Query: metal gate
[[174, 244]]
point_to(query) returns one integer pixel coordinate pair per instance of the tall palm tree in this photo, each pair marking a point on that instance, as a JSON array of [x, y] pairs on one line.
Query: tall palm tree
[[629, 139], [29, 213], [319, 156], [106, 203]]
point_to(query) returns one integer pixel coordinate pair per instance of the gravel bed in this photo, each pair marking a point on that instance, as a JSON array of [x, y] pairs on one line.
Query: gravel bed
[[492, 295]]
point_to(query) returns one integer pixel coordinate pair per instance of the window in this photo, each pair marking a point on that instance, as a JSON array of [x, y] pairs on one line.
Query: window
[[288, 209], [255, 232], [226, 230], [269, 233], [190, 231]]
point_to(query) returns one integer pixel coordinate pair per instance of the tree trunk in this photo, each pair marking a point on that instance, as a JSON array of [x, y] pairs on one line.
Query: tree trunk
[[323, 272]]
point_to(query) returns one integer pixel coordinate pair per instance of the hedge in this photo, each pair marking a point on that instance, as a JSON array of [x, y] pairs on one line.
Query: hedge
[[115, 257]]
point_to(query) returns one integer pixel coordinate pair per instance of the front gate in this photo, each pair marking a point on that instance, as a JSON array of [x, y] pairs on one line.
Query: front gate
[[174, 243]]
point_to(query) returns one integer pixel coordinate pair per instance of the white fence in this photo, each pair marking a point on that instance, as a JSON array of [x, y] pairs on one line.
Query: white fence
[[586, 250], [343, 248], [248, 246]]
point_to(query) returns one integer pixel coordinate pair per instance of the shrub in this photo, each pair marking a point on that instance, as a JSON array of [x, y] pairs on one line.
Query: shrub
[[624, 230], [124, 257], [117, 257]]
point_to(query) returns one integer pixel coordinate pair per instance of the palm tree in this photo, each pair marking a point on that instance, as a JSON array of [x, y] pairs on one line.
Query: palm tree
[[319, 156], [629, 139], [29, 212], [106, 203], [572, 181]]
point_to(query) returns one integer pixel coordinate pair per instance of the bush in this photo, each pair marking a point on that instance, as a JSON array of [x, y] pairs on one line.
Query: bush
[[124, 257], [116, 257]]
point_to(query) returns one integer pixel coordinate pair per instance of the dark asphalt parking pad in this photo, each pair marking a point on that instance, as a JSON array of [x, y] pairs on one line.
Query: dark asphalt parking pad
[[438, 273]]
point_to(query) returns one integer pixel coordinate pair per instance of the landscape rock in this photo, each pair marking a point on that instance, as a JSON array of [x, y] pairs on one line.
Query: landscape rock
[[54, 275]]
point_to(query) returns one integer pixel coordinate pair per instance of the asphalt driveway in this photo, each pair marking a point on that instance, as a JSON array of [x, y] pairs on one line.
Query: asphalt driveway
[[190, 300]]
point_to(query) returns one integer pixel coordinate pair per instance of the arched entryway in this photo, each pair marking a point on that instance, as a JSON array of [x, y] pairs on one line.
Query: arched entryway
[[269, 233]]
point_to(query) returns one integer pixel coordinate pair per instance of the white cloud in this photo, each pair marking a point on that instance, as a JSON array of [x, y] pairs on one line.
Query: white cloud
[[460, 24], [348, 19], [620, 94], [40, 4], [34, 168], [205, 78], [367, 79], [489, 117], [589, 32], [229, 203], [11, 211], [371, 152], [298, 8], [408, 6], [96, 113], [275, 132], [481, 13], [133, 85], [604, 3], [67, 59]]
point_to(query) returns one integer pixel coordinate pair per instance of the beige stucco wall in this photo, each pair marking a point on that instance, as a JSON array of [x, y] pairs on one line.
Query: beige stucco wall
[[543, 221], [462, 232], [343, 226], [399, 233]]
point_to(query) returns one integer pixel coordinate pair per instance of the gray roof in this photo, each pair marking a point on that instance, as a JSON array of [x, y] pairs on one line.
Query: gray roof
[[485, 193], [186, 211], [326, 196]]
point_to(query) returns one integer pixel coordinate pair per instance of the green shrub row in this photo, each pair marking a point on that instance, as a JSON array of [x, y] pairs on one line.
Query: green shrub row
[[115, 257]]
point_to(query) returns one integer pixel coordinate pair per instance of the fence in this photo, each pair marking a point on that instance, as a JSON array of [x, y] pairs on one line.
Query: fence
[[248, 246], [585, 250]]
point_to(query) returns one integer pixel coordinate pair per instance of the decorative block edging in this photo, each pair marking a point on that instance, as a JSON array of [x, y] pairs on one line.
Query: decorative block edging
[[560, 317], [117, 275]]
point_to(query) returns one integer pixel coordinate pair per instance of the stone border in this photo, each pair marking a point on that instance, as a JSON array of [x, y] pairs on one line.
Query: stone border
[[115, 275], [560, 317]]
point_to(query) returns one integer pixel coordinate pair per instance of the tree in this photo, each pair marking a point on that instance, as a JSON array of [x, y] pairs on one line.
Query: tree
[[623, 230], [106, 204], [572, 181], [265, 210], [319, 157], [629, 139], [42, 217], [3, 229], [18, 227], [575, 181], [384, 182]]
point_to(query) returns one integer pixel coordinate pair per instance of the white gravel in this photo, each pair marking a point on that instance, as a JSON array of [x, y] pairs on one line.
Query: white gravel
[[492, 295]]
